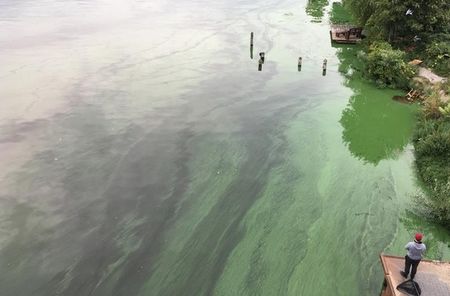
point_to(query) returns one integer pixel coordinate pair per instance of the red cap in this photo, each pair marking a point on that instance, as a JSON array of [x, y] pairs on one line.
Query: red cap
[[419, 236]]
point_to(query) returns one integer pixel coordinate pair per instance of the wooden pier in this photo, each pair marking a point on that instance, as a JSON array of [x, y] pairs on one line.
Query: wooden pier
[[433, 277], [346, 34]]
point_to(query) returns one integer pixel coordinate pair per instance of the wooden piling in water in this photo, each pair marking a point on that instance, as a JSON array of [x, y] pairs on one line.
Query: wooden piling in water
[[324, 67], [299, 65], [251, 45], [262, 56], [260, 63]]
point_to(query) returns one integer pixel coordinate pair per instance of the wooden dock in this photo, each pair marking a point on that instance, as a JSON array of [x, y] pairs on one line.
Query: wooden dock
[[345, 34], [433, 277]]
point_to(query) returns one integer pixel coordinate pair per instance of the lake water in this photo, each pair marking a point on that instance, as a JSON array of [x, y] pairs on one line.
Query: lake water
[[143, 153]]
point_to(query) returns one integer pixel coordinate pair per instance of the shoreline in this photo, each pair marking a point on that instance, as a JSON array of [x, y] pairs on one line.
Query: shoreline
[[434, 95]]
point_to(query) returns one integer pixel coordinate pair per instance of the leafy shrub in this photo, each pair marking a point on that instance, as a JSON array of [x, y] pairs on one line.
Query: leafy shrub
[[446, 86], [432, 150], [387, 66], [431, 106], [432, 137], [445, 110], [436, 208], [434, 144], [437, 37], [438, 57]]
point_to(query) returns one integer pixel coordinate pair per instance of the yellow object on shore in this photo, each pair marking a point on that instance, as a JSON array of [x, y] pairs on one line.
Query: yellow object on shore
[[415, 62]]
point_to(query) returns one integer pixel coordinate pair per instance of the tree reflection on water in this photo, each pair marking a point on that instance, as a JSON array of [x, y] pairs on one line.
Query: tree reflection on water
[[375, 126]]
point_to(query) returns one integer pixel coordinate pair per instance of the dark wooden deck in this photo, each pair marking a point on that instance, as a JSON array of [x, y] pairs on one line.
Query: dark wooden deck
[[433, 277], [346, 34]]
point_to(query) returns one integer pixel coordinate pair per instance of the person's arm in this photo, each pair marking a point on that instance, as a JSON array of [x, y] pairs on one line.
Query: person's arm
[[423, 251], [407, 246]]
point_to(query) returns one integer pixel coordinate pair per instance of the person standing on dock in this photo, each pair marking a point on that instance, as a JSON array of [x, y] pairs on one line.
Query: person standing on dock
[[414, 255]]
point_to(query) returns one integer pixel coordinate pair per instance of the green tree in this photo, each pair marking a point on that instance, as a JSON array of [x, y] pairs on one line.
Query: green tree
[[361, 10], [387, 19], [387, 66]]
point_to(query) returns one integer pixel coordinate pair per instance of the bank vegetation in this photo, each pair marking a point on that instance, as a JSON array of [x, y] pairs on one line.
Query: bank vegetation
[[398, 32]]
